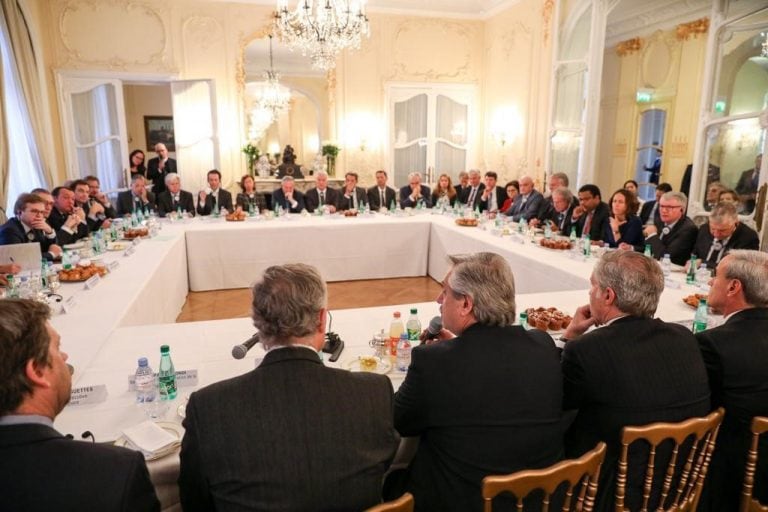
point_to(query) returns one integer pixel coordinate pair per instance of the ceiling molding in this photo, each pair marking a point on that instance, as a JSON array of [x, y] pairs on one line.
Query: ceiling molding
[[643, 19]]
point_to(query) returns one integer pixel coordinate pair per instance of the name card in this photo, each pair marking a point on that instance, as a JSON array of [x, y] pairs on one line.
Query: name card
[[88, 395], [112, 265], [68, 305], [184, 378], [92, 281], [129, 251], [137, 240]]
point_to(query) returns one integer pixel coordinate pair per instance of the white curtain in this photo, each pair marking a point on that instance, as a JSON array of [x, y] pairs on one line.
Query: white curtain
[[194, 125], [410, 124], [451, 133]]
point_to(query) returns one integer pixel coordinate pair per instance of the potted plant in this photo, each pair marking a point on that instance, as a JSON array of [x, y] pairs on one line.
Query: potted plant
[[330, 152], [252, 154]]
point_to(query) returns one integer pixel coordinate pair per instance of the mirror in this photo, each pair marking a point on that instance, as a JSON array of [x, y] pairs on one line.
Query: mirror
[[305, 123]]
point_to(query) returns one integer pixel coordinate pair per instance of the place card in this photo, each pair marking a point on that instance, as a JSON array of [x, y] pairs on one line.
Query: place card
[[129, 251], [112, 265], [184, 378], [92, 281], [88, 395], [68, 305]]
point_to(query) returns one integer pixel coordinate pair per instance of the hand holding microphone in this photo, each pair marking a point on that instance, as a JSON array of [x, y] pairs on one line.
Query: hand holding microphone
[[435, 333]]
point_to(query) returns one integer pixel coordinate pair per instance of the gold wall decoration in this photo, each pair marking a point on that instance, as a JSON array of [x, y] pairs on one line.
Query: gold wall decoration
[[678, 148], [546, 17], [620, 148], [629, 46], [685, 31]]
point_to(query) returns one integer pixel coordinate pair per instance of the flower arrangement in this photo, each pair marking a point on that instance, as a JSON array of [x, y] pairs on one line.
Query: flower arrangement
[[252, 154], [330, 151]]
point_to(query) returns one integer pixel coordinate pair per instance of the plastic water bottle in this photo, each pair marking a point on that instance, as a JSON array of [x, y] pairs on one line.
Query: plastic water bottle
[[700, 319], [146, 389], [587, 245], [396, 329], [522, 226], [167, 374], [66, 261], [690, 278], [413, 326], [403, 353], [666, 265], [702, 277], [547, 230], [573, 235]]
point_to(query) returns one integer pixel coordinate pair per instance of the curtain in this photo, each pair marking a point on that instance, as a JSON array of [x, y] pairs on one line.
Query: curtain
[[410, 124], [451, 132], [195, 133]]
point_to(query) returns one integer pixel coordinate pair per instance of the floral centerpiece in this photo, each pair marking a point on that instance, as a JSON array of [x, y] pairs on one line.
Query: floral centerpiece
[[252, 155], [330, 151]]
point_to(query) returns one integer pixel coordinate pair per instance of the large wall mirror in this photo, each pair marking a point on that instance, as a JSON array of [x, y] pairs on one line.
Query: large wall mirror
[[305, 123]]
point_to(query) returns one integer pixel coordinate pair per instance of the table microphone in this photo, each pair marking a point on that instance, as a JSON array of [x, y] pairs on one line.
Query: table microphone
[[434, 328], [239, 351]]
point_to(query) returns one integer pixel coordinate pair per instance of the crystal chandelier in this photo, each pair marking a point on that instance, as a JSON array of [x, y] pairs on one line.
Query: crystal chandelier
[[269, 95], [322, 28]]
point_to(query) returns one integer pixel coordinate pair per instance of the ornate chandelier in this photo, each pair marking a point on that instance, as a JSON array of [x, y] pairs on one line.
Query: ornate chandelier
[[322, 28], [269, 95]]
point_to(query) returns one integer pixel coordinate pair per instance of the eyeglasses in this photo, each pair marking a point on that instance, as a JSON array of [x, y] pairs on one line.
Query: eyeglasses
[[669, 206], [36, 212]]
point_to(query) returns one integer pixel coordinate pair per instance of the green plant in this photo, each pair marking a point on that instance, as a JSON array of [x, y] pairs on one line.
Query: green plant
[[330, 149]]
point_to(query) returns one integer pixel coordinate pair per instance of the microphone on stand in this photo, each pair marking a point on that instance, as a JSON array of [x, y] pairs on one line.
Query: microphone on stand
[[434, 328], [239, 351]]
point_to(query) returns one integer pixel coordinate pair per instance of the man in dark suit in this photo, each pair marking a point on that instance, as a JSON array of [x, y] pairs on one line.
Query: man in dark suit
[[485, 398], [97, 196], [559, 216], [321, 194], [289, 199], [41, 470], [649, 213], [95, 217], [137, 198], [747, 185], [462, 186], [29, 226], [175, 199], [527, 203], [292, 434], [159, 167], [547, 209], [471, 194], [214, 196], [633, 370], [414, 193], [381, 196], [351, 197], [736, 356], [65, 218], [493, 196], [592, 215], [675, 234], [722, 234]]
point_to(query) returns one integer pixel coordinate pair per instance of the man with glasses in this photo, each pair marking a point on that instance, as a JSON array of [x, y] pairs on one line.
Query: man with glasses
[[29, 226], [722, 234], [675, 234]]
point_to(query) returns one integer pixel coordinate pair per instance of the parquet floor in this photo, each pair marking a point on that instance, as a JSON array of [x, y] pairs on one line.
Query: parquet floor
[[223, 304]]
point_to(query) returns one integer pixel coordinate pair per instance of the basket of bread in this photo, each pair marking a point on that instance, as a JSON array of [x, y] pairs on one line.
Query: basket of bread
[[558, 244], [466, 222], [548, 319], [81, 273], [693, 300], [236, 216], [132, 233], [350, 213]]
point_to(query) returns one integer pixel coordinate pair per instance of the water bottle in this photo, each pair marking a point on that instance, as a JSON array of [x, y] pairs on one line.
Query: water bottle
[[700, 320], [573, 235], [216, 211], [146, 390], [547, 230], [43, 274], [392, 206], [666, 265], [524, 320], [11, 290], [167, 374], [396, 329], [690, 277], [413, 326], [648, 253], [66, 261], [587, 245], [702, 277], [403, 353]]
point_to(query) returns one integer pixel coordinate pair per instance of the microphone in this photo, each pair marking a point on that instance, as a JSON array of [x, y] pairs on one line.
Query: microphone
[[239, 351], [434, 328]]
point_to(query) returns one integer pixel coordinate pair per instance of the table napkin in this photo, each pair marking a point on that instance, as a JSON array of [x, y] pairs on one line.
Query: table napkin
[[149, 437]]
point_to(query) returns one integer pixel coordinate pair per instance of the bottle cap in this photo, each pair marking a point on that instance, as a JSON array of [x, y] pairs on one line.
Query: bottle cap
[[396, 314], [414, 311], [164, 349], [143, 361]]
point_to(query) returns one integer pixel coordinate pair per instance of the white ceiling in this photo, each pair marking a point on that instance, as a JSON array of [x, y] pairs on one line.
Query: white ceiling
[[458, 8]]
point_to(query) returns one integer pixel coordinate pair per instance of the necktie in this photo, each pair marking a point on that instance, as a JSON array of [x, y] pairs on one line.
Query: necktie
[[587, 224], [560, 219], [322, 197], [381, 198], [472, 197], [214, 201], [354, 200]]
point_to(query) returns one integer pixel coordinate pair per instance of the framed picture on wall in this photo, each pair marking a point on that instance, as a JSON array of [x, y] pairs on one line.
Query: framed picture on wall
[[159, 129]]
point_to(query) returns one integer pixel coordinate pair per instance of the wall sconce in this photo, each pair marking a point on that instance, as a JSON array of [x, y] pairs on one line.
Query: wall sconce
[[506, 125]]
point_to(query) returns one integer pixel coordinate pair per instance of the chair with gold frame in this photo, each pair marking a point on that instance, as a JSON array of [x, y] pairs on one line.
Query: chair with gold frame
[[402, 504], [759, 426]]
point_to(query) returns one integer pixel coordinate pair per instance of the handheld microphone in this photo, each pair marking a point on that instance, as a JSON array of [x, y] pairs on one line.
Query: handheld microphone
[[239, 351], [434, 328]]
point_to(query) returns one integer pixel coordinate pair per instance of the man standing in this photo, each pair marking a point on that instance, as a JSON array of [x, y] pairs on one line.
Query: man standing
[[414, 193], [292, 434], [471, 194], [722, 234], [97, 196], [493, 196], [747, 185], [29, 226], [289, 199], [736, 356], [41, 470], [320, 196], [527, 203], [214, 196], [649, 214], [486, 399], [94, 213], [633, 370], [592, 215], [67, 219], [174, 199], [352, 197], [138, 198], [675, 234], [381, 196], [159, 167]]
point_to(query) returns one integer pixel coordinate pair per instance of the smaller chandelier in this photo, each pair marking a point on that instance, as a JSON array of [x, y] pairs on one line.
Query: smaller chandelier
[[322, 28], [269, 95]]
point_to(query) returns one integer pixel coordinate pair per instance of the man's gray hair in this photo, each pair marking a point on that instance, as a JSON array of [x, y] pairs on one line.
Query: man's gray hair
[[751, 268], [487, 278], [724, 212], [414, 175], [637, 281], [677, 196], [474, 172], [286, 179], [320, 173], [286, 303], [171, 176], [462, 174], [562, 177], [564, 193]]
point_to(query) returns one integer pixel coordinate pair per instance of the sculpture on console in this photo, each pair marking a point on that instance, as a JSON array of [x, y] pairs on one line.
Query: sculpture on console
[[289, 167]]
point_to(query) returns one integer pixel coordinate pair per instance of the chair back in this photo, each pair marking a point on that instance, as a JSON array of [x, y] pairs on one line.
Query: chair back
[[759, 426], [580, 474], [402, 504], [682, 495]]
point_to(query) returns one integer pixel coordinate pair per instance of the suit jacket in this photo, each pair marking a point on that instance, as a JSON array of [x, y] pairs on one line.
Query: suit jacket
[[634, 371], [736, 356], [93, 223], [166, 204], [678, 243], [41, 470], [743, 238], [109, 210], [13, 232], [244, 201], [405, 197], [345, 203], [598, 225], [312, 198], [486, 402], [157, 176], [645, 212], [501, 196], [57, 219], [463, 196], [224, 201], [278, 197], [561, 220], [631, 232], [126, 202], [390, 195], [290, 435], [528, 208]]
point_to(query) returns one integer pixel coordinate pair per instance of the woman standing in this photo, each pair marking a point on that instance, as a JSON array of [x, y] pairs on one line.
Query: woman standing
[[249, 196], [624, 229]]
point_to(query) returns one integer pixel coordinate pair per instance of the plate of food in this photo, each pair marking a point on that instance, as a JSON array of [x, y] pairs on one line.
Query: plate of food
[[132, 233], [466, 222], [81, 273], [557, 244], [117, 246], [350, 213], [372, 364], [693, 300], [172, 428], [551, 320], [236, 216], [75, 246]]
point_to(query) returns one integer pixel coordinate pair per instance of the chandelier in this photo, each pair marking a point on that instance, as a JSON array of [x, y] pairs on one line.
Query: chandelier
[[322, 28], [269, 95]]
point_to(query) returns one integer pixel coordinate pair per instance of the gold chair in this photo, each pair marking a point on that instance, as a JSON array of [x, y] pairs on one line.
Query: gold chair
[[687, 492], [759, 426], [582, 472], [402, 504]]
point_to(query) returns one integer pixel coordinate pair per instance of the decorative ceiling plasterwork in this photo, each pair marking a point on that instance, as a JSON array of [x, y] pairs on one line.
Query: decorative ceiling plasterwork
[[692, 29], [659, 53], [509, 36], [547, 10], [88, 35], [629, 47], [625, 23], [203, 30]]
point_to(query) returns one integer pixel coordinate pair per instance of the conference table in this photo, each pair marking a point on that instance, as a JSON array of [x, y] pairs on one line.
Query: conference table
[[131, 312]]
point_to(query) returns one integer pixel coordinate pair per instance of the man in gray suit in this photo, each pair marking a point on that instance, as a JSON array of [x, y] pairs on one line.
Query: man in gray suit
[[291, 434]]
